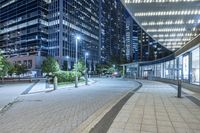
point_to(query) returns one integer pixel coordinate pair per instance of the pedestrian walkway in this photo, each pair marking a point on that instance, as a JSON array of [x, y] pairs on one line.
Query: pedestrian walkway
[[63, 110], [9, 92], [156, 109]]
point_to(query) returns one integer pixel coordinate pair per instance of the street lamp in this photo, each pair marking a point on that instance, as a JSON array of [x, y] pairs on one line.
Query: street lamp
[[76, 69], [86, 76], [67, 57]]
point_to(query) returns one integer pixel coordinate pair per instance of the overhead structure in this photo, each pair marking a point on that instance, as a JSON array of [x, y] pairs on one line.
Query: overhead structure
[[170, 22]]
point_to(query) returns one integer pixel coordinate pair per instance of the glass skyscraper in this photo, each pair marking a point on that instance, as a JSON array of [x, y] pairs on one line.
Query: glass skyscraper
[[31, 30], [71, 18], [24, 31]]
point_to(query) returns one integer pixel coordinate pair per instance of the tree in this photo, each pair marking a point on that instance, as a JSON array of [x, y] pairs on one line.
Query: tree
[[81, 67], [65, 66], [11, 70], [102, 68], [20, 69], [5, 66], [111, 70], [50, 66], [1, 62]]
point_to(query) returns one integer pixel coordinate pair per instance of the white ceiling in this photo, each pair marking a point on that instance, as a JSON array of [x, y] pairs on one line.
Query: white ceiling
[[171, 22]]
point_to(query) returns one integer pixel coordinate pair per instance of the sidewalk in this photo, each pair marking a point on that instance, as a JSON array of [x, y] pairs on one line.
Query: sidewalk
[[156, 109]]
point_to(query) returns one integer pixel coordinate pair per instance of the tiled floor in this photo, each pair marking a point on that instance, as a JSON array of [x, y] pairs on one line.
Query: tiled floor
[[156, 109]]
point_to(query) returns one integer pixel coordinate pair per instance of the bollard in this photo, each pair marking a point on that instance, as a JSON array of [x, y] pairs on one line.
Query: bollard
[[179, 89], [47, 83], [86, 77], [55, 83]]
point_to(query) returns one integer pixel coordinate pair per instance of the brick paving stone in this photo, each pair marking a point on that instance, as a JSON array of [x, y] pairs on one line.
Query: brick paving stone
[[62, 110], [156, 109]]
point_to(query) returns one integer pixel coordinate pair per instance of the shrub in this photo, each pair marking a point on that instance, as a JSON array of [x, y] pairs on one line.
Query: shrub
[[66, 76], [61, 75]]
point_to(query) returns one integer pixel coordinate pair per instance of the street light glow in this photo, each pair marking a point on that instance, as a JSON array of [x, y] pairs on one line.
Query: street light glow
[[78, 37], [86, 54]]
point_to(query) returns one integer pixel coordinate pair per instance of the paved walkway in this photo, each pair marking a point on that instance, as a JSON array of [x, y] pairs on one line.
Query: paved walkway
[[155, 109], [63, 110], [8, 92]]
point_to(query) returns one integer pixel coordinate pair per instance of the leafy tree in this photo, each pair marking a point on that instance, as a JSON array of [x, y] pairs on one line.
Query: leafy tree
[[5, 66], [1, 62], [65, 66], [50, 66], [20, 69], [11, 70], [111, 70], [81, 67], [102, 68]]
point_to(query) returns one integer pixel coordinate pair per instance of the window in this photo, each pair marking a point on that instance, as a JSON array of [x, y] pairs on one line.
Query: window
[[195, 66], [158, 70], [180, 66], [186, 67], [29, 64]]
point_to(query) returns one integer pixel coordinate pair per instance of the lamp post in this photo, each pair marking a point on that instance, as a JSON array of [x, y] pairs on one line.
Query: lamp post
[[76, 69], [86, 76], [67, 62]]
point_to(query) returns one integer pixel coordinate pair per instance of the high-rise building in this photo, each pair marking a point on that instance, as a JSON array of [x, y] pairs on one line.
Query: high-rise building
[[24, 31], [34, 29], [31, 30], [113, 31], [131, 39], [69, 19]]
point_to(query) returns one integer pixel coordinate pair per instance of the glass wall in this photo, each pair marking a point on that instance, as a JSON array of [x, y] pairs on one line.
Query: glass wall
[[158, 70], [186, 68], [195, 66], [180, 66], [167, 74]]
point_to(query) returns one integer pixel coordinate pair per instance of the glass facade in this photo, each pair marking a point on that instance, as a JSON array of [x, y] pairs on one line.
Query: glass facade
[[185, 68], [187, 65], [69, 19], [49, 27], [195, 66], [23, 27]]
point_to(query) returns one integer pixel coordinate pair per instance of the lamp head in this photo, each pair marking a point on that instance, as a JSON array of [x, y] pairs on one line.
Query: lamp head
[[86, 53], [78, 37]]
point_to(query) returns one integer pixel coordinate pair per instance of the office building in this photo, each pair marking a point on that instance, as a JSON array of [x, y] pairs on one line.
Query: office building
[[24, 31], [34, 29], [69, 19]]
